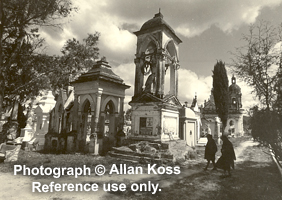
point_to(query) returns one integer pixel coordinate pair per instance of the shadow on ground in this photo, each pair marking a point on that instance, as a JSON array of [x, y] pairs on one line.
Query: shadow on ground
[[255, 177]]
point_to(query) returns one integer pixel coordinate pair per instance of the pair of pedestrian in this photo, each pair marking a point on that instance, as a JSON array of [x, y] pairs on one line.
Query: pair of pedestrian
[[226, 161]]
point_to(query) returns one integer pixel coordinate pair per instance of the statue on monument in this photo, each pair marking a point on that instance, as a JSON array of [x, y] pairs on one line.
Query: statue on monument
[[149, 67], [175, 63]]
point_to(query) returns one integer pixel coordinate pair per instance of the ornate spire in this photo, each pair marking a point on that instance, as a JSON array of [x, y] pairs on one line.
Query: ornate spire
[[233, 79]]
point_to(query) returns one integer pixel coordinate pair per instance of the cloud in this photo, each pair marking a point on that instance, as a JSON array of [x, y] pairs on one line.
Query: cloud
[[116, 43], [127, 73], [55, 40], [227, 15], [191, 18], [116, 20], [189, 84]]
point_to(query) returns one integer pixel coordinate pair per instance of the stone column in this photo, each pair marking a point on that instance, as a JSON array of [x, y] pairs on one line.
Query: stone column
[[176, 82], [160, 77], [75, 113], [184, 131], [76, 120], [174, 77], [35, 124], [44, 129], [121, 111], [97, 110], [139, 77], [94, 146], [172, 80]]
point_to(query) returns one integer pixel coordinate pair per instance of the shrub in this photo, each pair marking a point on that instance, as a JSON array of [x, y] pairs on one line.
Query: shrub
[[267, 129]]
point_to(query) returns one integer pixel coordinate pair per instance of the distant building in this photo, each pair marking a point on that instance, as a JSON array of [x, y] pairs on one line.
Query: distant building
[[190, 123], [210, 119], [235, 118]]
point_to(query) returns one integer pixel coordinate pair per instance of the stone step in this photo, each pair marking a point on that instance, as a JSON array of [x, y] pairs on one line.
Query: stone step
[[124, 156], [158, 144], [200, 148], [125, 160], [133, 153], [135, 158], [138, 139]]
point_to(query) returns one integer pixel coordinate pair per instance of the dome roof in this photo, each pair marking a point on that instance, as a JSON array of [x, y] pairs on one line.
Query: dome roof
[[234, 88], [157, 21]]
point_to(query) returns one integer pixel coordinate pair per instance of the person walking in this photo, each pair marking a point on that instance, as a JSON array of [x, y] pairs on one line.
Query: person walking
[[226, 161], [210, 151]]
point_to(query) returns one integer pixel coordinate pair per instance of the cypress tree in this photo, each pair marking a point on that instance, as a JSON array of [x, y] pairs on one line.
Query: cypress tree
[[220, 91]]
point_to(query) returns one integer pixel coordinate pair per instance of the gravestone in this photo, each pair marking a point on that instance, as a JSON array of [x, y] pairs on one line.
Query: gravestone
[[70, 144]]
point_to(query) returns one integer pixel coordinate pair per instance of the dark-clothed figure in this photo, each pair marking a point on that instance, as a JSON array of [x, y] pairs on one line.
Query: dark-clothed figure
[[210, 152], [228, 156]]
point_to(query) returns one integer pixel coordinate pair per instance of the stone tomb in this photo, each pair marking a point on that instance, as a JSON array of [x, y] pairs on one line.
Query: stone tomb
[[87, 116], [155, 107]]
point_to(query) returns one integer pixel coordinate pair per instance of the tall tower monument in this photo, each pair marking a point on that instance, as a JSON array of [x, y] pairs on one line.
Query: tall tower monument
[[154, 104], [235, 116]]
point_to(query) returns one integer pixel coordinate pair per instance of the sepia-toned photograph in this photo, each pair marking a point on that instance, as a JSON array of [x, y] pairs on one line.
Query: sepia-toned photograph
[[130, 99]]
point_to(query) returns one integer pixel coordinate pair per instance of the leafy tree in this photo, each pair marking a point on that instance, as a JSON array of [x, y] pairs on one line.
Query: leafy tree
[[22, 68], [2, 82], [128, 114], [41, 71], [266, 126], [220, 92], [77, 58], [257, 61]]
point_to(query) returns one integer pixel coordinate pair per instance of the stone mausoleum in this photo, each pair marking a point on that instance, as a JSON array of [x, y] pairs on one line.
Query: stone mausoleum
[[163, 130], [89, 113], [155, 106]]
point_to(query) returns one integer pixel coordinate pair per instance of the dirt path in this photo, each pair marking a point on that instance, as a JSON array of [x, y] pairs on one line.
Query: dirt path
[[240, 149], [255, 177], [19, 187]]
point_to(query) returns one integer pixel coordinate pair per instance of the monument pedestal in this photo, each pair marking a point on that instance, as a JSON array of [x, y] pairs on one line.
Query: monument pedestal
[[155, 121], [27, 134]]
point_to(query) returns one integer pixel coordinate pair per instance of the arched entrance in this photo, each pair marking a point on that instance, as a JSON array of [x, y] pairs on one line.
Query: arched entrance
[[86, 122], [109, 126], [108, 121]]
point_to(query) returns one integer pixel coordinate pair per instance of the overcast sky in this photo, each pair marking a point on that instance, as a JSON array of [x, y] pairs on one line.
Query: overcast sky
[[209, 29]]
